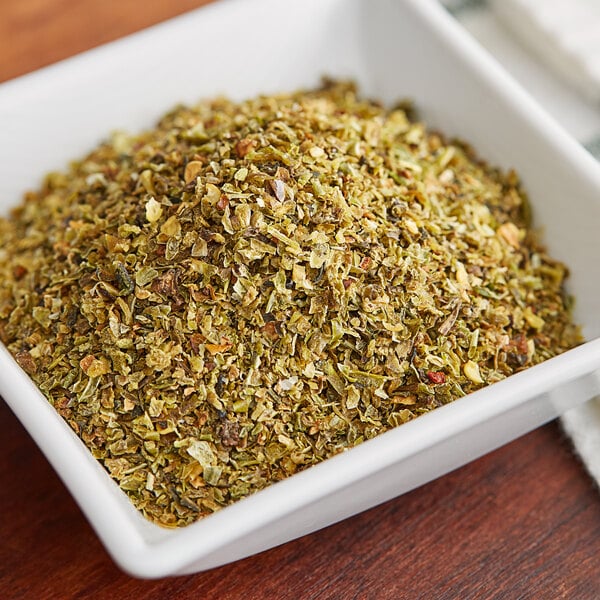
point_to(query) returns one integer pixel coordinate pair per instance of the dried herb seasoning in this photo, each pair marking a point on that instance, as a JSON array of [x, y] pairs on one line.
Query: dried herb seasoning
[[251, 288]]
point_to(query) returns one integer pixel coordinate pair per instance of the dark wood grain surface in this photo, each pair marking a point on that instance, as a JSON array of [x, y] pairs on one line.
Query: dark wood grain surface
[[522, 522]]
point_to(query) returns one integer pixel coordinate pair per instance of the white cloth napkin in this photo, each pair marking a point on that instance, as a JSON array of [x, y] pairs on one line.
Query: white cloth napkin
[[577, 112]]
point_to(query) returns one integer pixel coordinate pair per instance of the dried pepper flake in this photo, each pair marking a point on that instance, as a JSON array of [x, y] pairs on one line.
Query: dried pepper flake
[[252, 287], [153, 210], [192, 170], [94, 367], [471, 370], [436, 377], [218, 348]]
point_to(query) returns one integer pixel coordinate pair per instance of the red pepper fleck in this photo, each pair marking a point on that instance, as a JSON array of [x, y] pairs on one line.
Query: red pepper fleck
[[19, 272], [271, 330], [245, 146], [26, 361], [223, 202], [202, 418], [436, 377], [196, 340], [520, 343], [365, 262]]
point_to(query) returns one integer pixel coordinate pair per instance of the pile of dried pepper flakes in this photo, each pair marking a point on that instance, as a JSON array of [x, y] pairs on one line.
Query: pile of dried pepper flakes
[[251, 288]]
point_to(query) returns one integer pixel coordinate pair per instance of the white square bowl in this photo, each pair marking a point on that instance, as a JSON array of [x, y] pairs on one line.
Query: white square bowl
[[393, 49]]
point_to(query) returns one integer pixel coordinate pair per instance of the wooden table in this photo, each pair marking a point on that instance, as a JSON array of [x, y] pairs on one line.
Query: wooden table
[[522, 522]]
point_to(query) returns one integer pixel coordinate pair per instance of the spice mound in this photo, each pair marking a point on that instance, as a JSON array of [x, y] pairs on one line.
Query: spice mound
[[251, 288]]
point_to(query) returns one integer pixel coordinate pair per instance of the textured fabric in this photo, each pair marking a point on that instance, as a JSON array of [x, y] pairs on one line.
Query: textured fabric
[[564, 34], [579, 117]]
